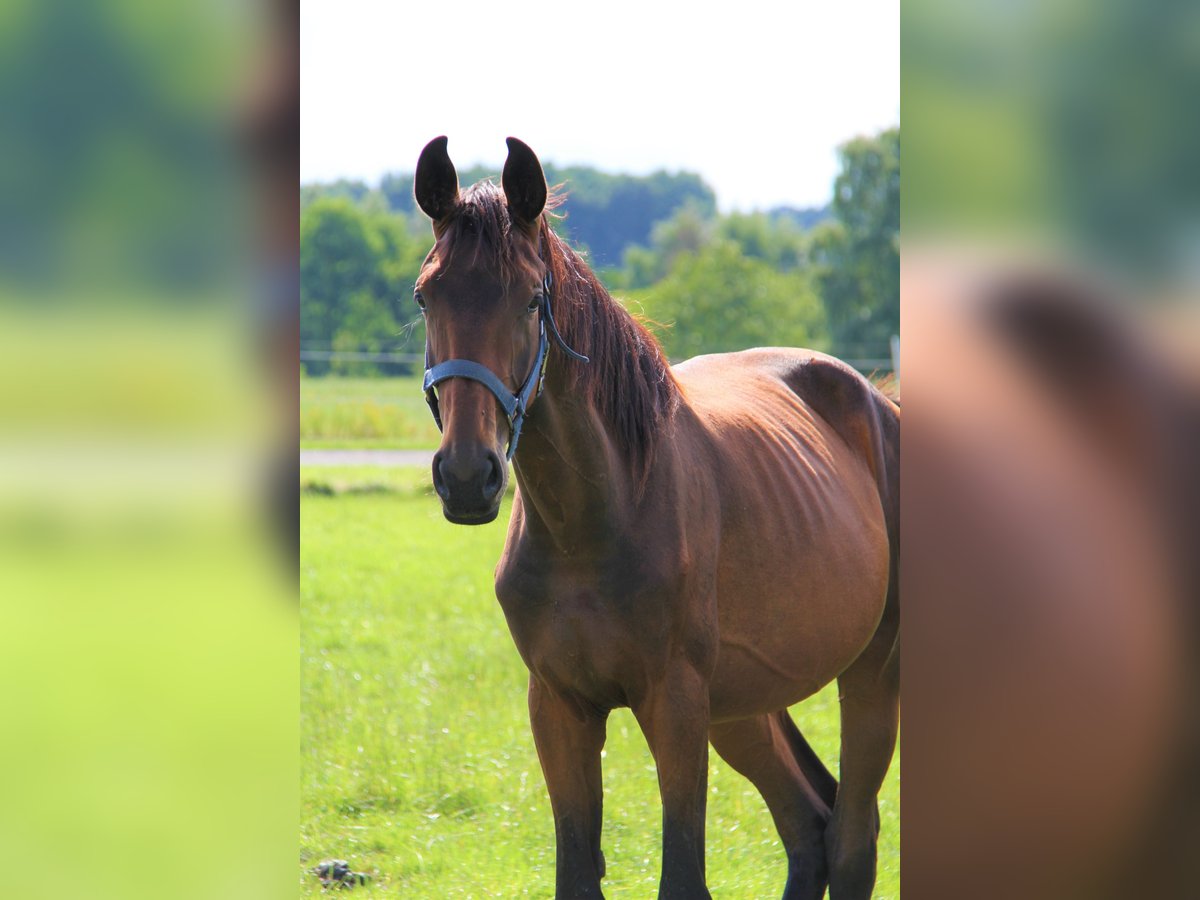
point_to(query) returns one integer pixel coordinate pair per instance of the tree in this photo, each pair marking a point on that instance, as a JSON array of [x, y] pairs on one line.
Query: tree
[[357, 269], [858, 255], [351, 189], [778, 241], [609, 213], [719, 299], [366, 326], [687, 232]]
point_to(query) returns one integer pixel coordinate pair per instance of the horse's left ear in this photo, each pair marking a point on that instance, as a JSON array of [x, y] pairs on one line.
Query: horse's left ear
[[524, 184], [435, 185]]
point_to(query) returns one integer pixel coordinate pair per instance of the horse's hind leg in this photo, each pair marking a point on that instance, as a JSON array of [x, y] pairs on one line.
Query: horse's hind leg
[[870, 699], [799, 791]]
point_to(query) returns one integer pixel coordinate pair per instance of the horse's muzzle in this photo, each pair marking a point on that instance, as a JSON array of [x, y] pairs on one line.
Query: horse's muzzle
[[470, 484]]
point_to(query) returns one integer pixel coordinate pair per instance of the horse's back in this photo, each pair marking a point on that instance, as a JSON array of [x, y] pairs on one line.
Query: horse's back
[[720, 383], [750, 397], [801, 456]]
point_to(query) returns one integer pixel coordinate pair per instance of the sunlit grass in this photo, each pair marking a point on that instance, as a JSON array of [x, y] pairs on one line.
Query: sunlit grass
[[417, 764], [365, 413]]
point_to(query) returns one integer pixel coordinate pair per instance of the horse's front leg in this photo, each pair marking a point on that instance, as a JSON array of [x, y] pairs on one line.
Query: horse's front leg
[[569, 739], [674, 717]]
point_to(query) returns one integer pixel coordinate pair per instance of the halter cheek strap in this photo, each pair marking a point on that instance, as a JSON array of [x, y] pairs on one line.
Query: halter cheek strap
[[515, 406]]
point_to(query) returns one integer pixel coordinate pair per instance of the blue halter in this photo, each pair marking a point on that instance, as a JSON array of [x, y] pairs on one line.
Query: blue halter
[[515, 406]]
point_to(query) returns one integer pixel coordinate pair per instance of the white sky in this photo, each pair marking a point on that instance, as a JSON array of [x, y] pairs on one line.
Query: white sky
[[755, 99]]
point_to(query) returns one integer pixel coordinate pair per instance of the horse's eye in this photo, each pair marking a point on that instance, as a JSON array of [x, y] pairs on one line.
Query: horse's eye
[[419, 297], [534, 303]]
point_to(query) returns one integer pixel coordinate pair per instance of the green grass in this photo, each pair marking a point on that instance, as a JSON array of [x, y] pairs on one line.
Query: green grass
[[365, 413], [417, 764], [410, 481]]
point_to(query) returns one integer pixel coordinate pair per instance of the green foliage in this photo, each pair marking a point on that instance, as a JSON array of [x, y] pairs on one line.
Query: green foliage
[[722, 299], [357, 268], [116, 165], [686, 233], [350, 189], [803, 218], [608, 213], [417, 763], [858, 256], [777, 241]]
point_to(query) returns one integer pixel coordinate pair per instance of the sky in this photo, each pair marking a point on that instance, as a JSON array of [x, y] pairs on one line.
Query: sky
[[755, 98]]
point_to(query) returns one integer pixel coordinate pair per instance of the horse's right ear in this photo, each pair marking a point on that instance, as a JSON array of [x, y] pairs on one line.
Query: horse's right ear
[[436, 182]]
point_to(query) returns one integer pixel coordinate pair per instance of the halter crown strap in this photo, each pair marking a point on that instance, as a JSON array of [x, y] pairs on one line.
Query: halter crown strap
[[548, 314], [515, 406]]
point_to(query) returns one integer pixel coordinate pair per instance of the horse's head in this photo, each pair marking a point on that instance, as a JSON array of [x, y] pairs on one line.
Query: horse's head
[[481, 290]]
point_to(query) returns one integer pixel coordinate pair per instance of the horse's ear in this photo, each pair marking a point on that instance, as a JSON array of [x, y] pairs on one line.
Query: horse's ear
[[524, 184], [436, 182]]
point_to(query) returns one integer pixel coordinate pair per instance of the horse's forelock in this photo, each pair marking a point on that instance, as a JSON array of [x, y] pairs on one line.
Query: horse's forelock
[[482, 228]]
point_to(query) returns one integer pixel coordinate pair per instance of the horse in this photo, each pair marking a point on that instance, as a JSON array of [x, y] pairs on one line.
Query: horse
[[1053, 504], [706, 544]]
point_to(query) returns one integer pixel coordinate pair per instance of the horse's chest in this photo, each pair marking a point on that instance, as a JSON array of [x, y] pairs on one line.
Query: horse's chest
[[585, 631]]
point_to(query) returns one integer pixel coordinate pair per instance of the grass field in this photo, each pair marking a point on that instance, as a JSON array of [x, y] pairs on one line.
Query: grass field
[[365, 413], [417, 764]]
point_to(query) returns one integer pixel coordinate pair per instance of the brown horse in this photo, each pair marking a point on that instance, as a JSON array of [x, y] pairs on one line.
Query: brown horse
[[706, 545]]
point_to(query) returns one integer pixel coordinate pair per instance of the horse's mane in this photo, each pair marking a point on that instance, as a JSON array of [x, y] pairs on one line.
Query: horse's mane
[[628, 379]]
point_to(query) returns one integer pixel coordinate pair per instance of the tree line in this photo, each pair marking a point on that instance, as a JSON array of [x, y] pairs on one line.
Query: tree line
[[825, 278]]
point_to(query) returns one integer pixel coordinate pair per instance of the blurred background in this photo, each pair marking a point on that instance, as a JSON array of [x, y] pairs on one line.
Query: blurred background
[[147, 286], [1052, 427]]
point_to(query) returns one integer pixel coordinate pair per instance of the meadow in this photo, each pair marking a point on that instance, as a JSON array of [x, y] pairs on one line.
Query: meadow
[[417, 764], [365, 413]]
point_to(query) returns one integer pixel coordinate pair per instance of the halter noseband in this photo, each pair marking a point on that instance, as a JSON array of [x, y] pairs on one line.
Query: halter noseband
[[515, 406]]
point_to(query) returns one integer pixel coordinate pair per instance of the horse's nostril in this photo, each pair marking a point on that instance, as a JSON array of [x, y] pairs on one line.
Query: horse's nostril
[[495, 479], [439, 477], [464, 479]]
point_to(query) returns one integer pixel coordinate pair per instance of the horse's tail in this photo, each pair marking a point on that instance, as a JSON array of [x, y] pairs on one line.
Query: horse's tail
[[819, 777]]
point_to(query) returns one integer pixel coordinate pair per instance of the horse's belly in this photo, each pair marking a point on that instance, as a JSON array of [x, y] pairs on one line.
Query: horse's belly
[[785, 635], [755, 676]]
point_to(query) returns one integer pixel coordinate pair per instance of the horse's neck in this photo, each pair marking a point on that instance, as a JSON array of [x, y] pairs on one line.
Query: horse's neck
[[575, 479], [571, 474]]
